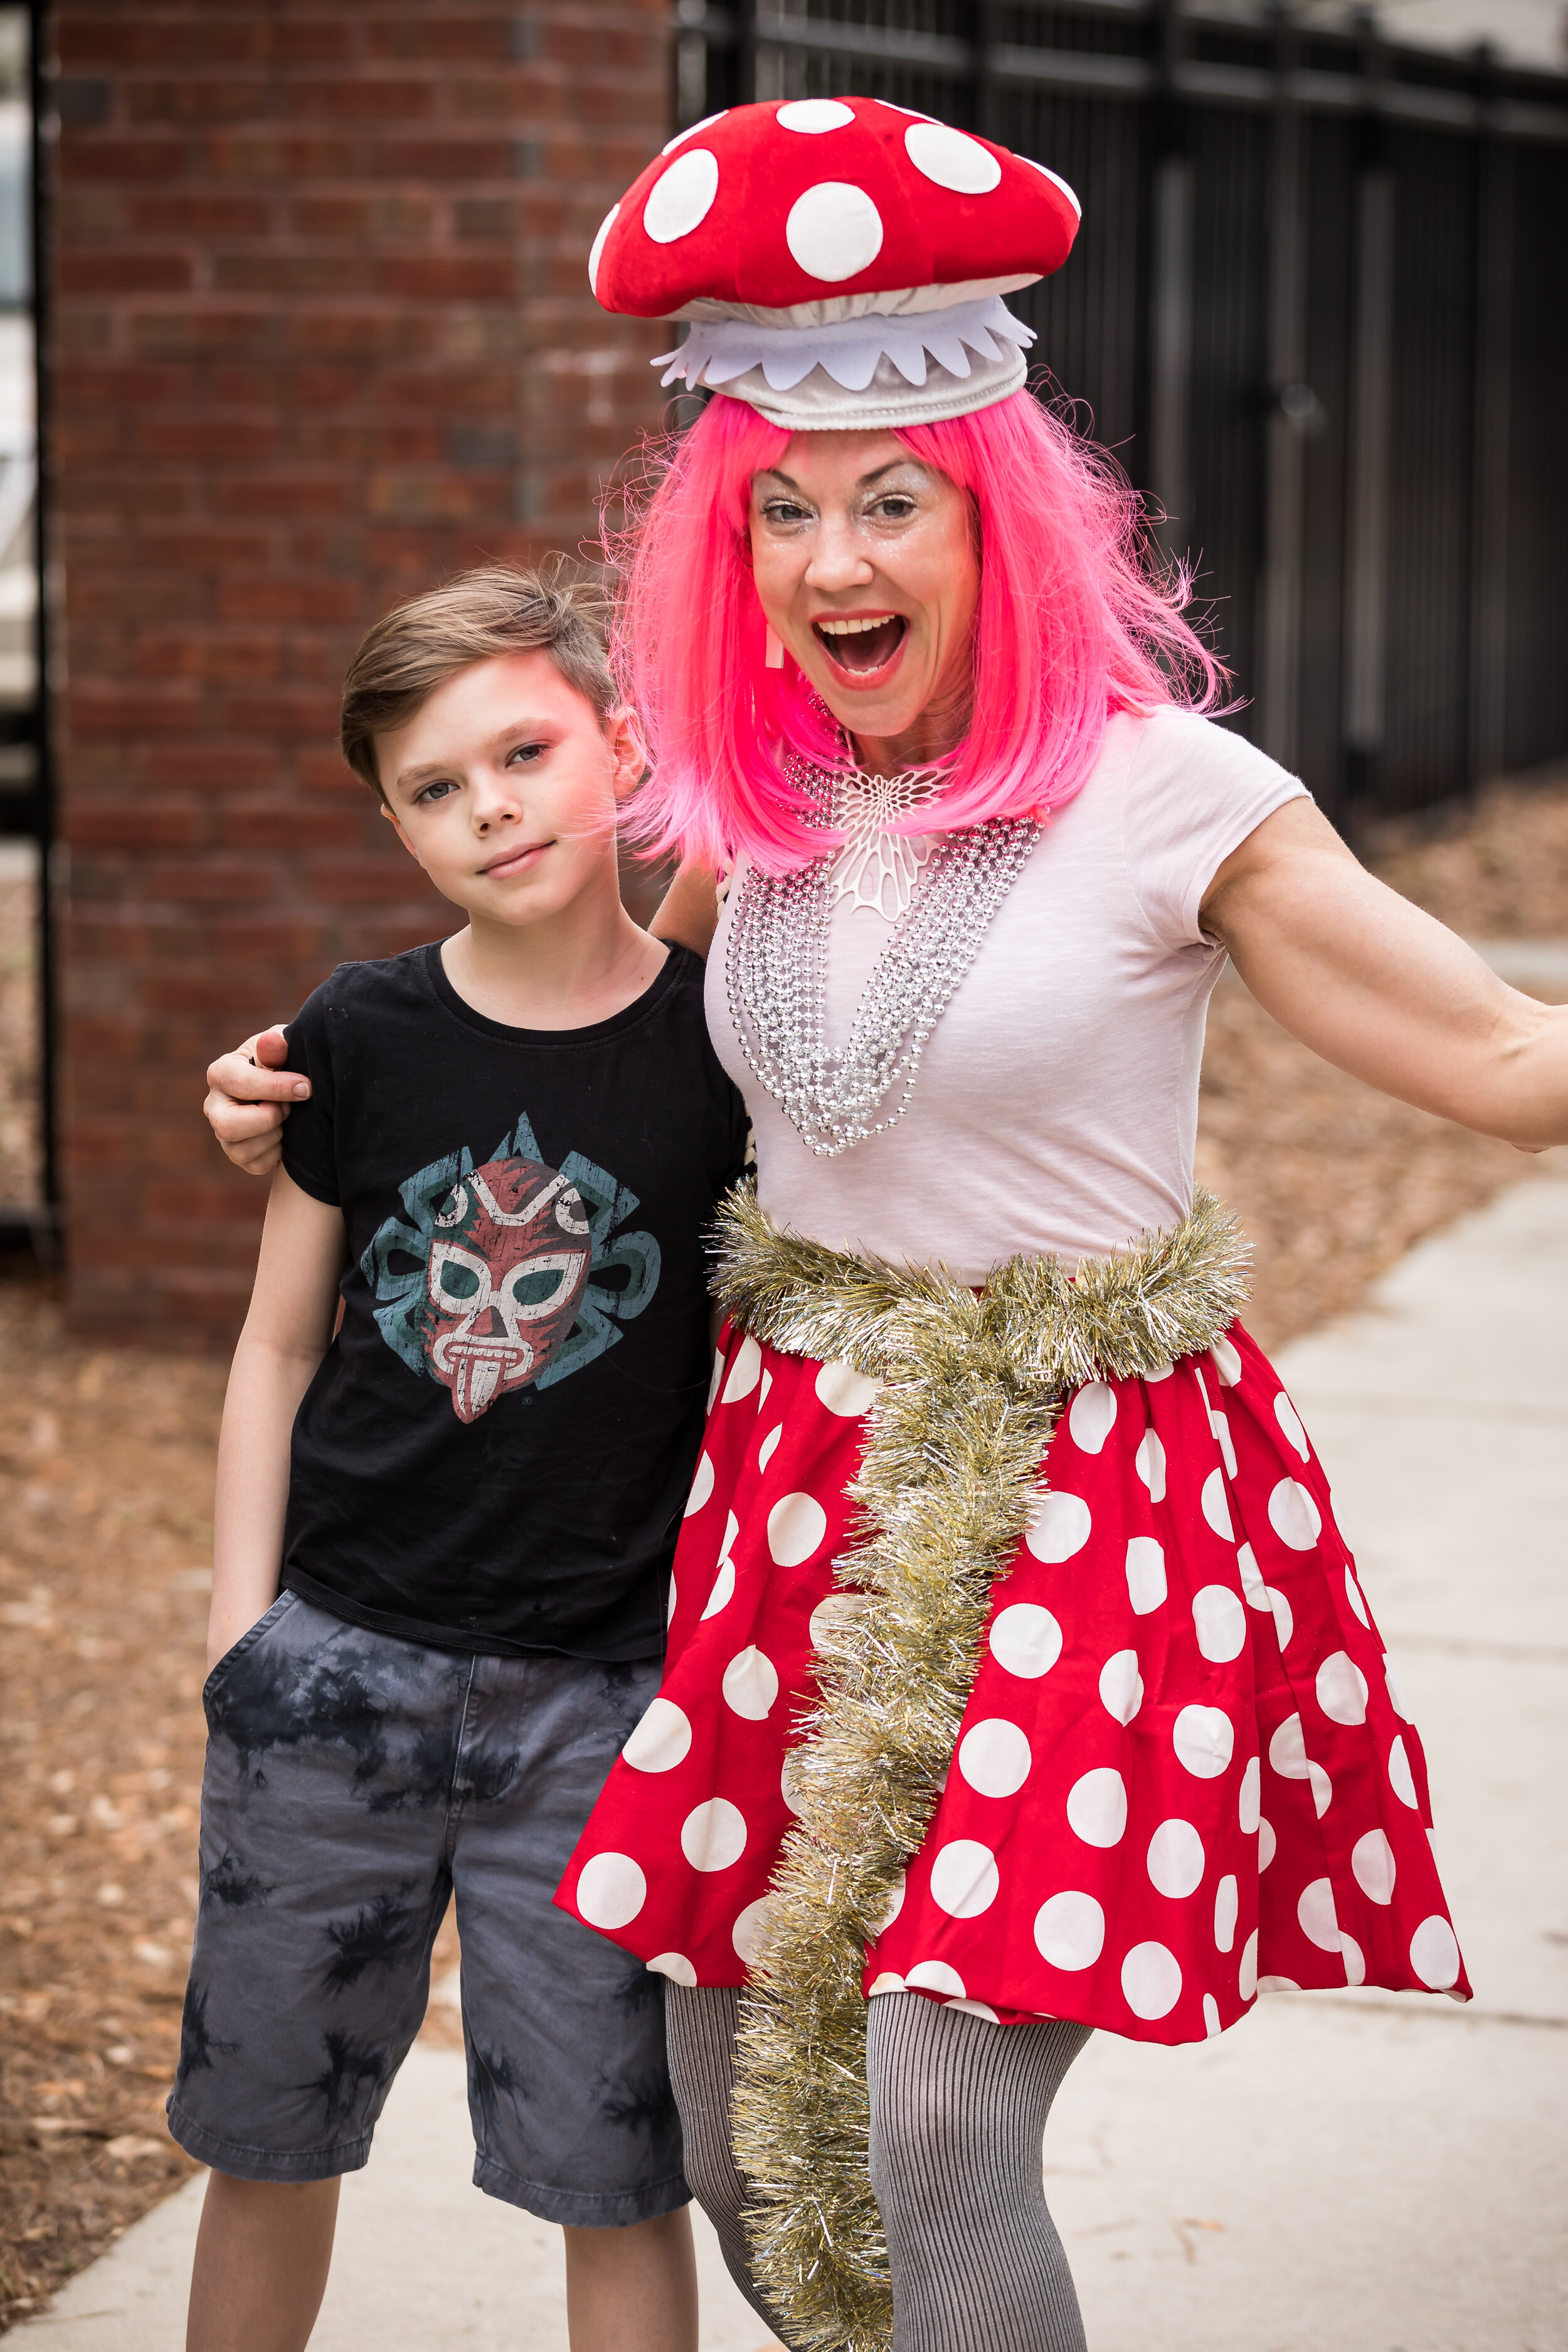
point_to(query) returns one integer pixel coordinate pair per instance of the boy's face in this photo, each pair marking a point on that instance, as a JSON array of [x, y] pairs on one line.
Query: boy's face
[[505, 785]]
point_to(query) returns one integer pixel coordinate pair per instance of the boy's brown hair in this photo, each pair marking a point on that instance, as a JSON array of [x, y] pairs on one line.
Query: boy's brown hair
[[498, 608]]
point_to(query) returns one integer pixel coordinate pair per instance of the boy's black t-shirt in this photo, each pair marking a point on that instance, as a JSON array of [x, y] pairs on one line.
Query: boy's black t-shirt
[[496, 1450]]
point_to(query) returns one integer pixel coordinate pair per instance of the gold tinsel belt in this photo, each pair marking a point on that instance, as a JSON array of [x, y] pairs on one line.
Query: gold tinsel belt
[[973, 1386]]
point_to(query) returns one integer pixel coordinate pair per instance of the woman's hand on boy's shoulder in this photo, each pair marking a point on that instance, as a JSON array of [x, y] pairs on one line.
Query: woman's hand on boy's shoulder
[[248, 1094]]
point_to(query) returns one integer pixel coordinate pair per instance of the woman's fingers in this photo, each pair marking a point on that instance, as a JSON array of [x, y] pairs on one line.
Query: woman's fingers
[[245, 1076], [250, 1134], [247, 1101], [270, 1050]]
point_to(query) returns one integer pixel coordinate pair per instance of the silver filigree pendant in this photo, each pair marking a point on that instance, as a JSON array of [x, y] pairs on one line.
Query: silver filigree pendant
[[878, 868]]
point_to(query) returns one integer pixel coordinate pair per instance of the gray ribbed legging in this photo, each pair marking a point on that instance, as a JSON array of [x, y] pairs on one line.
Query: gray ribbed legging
[[958, 2113]]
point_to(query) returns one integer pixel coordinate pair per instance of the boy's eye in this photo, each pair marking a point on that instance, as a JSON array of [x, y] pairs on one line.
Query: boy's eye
[[525, 754], [427, 794]]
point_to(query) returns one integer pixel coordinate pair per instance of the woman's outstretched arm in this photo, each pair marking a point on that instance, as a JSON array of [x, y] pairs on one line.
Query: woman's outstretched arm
[[1383, 991]]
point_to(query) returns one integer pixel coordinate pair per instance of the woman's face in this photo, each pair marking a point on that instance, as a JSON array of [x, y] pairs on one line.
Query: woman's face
[[867, 569]]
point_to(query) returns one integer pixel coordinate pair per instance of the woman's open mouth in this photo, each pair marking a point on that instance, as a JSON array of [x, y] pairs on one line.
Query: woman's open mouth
[[864, 643]]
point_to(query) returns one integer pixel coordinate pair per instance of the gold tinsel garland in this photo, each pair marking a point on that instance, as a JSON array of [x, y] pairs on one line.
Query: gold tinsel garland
[[971, 1389]]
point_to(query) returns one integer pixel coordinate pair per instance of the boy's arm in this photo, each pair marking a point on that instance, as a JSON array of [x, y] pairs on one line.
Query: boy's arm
[[287, 1332]]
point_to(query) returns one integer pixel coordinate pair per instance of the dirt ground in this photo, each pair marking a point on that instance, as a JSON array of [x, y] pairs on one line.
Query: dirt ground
[[1332, 1182], [105, 1551]]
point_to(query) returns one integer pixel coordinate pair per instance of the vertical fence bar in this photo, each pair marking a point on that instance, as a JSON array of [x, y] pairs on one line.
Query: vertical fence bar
[[1291, 408], [1491, 467], [1366, 598], [761, 61], [51, 875], [985, 111], [1170, 295], [1365, 665], [692, 58]]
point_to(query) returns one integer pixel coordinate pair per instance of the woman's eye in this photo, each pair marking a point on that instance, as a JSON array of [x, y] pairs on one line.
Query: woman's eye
[[895, 509], [525, 753], [784, 511]]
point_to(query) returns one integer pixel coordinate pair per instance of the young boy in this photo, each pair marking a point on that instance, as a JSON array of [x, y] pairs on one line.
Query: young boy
[[446, 1509]]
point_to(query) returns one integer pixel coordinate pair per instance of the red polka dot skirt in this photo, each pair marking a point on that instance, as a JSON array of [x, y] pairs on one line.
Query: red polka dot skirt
[[1185, 1774]]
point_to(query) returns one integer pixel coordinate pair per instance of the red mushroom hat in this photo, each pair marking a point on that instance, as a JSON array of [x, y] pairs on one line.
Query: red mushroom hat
[[842, 260]]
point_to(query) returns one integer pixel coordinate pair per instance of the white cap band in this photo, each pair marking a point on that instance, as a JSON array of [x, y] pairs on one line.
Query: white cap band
[[875, 370]]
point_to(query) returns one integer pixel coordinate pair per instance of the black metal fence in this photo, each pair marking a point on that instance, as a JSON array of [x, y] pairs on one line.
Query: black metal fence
[[1319, 307]]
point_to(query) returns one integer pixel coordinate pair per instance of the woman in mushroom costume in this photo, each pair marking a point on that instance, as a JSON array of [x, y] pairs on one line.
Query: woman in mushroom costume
[[1019, 1679]]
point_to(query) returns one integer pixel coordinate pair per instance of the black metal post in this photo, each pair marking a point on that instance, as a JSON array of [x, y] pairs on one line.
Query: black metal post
[[1169, 243], [1292, 412], [44, 129], [1371, 436], [1491, 428]]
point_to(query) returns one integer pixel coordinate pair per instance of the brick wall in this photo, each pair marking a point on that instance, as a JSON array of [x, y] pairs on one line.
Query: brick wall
[[321, 333]]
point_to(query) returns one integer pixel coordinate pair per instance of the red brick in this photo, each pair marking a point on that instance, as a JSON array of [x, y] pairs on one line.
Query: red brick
[[275, 597], [448, 277], [363, 98], [282, 715], [311, 272], [281, 158], [200, 333], [201, 434], [441, 39], [441, 159], [200, 99], [122, 162], [100, 712], [281, 494], [199, 217], [195, 36], [123, 273], [311, 256]]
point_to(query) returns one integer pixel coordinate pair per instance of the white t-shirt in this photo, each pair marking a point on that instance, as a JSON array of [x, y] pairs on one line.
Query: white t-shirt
[[1057, 1103]]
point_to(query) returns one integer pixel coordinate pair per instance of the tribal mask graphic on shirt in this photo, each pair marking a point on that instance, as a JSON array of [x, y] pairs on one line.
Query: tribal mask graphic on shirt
[[507, 1266], [510, 1275]]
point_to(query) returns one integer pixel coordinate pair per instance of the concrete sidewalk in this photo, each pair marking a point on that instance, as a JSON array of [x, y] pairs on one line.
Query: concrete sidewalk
[[1343, 2173]]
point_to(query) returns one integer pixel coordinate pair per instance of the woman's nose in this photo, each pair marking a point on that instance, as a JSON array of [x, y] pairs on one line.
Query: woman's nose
[[838, 558]]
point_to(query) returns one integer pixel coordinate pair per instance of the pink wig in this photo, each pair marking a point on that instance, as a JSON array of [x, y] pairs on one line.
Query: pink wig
[[1069, 628]]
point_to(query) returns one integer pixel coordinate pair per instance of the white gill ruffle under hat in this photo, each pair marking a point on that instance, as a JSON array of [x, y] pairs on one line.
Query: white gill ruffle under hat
[[842, 261]]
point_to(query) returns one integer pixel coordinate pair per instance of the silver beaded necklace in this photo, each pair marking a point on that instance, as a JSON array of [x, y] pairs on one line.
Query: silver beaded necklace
[[777, 971]]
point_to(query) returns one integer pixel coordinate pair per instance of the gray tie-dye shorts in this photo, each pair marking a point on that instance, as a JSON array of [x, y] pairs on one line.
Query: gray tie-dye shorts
[[352, 1781]]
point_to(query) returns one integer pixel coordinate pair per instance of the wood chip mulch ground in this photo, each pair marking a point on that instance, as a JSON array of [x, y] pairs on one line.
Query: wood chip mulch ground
[[105, 1551]]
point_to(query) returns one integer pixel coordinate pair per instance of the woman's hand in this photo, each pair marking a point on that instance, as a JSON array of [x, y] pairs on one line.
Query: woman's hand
[[249, 1094], [1383, 991]]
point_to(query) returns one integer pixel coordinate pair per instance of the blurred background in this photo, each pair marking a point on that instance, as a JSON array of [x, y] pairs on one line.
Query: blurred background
[[298, 293], [294, 320]]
